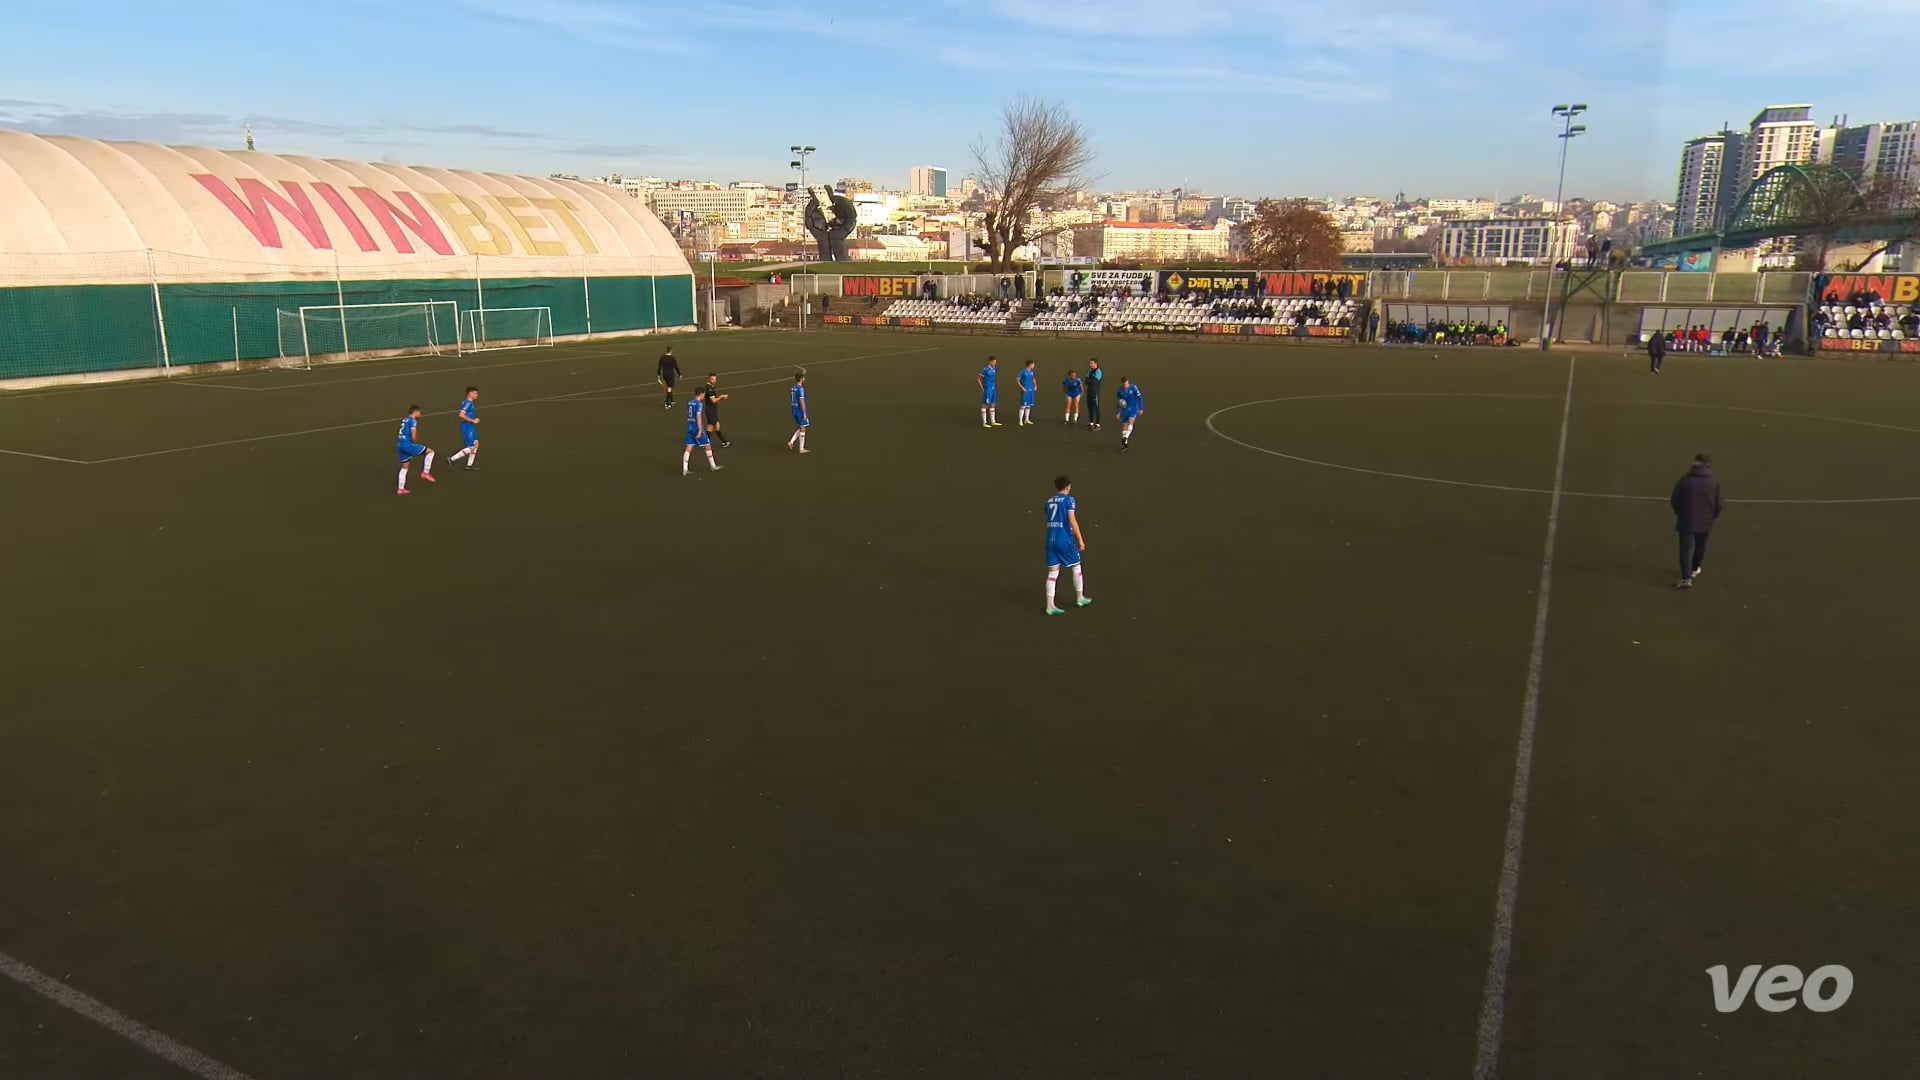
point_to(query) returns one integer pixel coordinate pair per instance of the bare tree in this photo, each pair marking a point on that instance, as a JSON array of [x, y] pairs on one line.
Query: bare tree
[[1833, 206], [1292, 234], [1036, 162]]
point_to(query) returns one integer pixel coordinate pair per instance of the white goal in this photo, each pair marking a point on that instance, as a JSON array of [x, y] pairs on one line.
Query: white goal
[[343, 331], [508, 328]]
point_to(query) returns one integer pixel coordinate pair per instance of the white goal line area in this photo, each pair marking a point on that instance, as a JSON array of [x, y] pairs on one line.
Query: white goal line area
[[586, 395]]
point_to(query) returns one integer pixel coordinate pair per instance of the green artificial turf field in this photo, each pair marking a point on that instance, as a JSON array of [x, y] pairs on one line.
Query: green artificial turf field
[[573, 768]]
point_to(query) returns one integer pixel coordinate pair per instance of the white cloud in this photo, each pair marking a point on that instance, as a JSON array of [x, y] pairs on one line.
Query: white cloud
[[598, 21]]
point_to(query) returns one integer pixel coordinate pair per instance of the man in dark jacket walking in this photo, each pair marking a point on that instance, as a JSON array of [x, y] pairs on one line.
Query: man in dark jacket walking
[[1696, 505], [1657, 350]]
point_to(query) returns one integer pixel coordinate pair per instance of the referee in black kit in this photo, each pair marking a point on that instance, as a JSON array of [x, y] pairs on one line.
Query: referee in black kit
[[669, 374], [714, 398]]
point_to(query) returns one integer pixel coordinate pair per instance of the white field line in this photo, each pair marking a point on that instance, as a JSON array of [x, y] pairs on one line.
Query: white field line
[[1493, 995], [135, 1032]]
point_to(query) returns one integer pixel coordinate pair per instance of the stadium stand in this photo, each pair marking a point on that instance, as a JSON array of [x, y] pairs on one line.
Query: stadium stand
[[958, 311], [1061, 313], [1866, 317]]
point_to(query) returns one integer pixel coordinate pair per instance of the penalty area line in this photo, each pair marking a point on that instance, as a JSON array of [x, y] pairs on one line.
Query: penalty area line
[[153, 1042]]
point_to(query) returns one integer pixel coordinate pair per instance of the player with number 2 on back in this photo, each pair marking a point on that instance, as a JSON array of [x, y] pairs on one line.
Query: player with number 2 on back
[[410, 448], [1064, 544]]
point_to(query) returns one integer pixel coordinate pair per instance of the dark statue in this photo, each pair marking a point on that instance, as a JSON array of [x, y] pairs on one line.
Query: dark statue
[[830, 218]]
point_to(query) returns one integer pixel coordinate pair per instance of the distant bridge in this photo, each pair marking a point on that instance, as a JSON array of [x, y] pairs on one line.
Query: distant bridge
[[1767, 210]]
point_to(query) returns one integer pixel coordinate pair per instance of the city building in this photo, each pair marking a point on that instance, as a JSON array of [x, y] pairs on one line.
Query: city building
[[1151, 241], [1517, 239], [1779, 135], [1869, 150], [703, 203], [927, 180], [1702, 199], [1449, 208]]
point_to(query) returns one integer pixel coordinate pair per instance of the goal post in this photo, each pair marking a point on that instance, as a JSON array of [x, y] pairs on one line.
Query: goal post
[[508, 328], [346, 331]]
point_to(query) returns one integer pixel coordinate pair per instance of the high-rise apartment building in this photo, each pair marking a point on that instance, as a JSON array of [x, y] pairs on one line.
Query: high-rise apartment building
[[1703, 196], [1869, 150], [1779, 135], [927, 180]]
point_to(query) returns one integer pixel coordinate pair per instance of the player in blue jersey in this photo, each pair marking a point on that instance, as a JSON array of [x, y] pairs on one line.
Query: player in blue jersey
[[1064, 544], [410, 448], [1129, 408], [697, 432], [469, 428], [801, 419], [1072, 385], [1029, 385], [989, 392]]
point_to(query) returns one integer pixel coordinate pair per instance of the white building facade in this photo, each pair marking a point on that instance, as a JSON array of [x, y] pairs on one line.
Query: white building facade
[[1539, 240], [1779, 135], [1151, 242]]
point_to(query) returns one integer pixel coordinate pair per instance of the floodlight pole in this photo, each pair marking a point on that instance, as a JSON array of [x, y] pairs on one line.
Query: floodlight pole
[[801, 153], [1569, 132]]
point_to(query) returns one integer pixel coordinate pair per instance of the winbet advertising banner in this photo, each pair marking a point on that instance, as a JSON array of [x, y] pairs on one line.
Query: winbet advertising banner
[[888, 287], [1301, 283]]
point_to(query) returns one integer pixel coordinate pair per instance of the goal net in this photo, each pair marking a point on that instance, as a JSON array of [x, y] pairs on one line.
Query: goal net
[[508, 328], [344, 331]]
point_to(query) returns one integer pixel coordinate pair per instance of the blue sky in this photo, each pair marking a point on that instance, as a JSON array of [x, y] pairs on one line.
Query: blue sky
[[1253, 97]]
